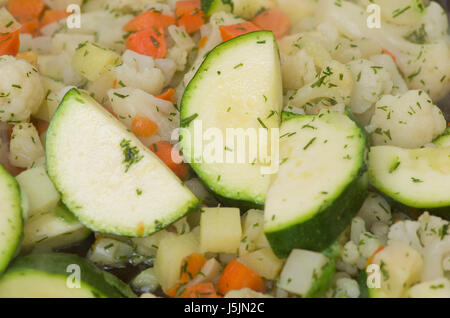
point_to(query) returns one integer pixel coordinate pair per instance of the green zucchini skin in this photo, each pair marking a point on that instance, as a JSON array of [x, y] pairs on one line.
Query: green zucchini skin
[[101, 283], [319, 232], [11, 213], [210, 7], [444, 139], [324, 282], [218, 64]]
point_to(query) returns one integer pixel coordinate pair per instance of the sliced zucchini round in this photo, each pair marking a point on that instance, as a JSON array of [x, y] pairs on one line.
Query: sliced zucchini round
[[106, 177], [321, 183], [11, 219], [238, 86], [213, 6], [417, 178], [55, 229], [59, 276], [444, 139]]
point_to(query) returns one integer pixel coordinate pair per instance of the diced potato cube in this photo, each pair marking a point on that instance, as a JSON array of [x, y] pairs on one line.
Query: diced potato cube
[[220, 230], [25, 147], [264, 262], [302, 268], [91, 61], [171, 252], [252, 224], [39, 189]]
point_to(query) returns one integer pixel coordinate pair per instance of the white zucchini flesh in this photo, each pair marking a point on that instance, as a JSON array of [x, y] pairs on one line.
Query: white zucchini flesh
[[10, 217], [419, 178], [238, 86], [107, 188]]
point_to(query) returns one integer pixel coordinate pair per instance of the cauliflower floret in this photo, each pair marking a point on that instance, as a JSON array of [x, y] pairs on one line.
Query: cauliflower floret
[[25, 147], [435, 22], [425, 66], [298, 69], [375, 209], [130, 102], [21, 90], [371, 81], [410, 120], [429, 235], [62, 4], [7, 22], [401, 12], [334, 84], [139, 71], [438, 288], [346, 287], [297, 10], [249, 8]]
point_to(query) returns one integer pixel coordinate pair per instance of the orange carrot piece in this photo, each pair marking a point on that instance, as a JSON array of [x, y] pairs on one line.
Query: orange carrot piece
[[51, 16], [30, 26], [370, 259], [229, 32], [202, 42], [148, 42], [168, 95], [190, 15], [238, 276], [201, 290], [148, 20], [191, 266], [273, 20], [143, 126], [387, 52], [172, 292], [9, 43], [163, 150], [26, 8]]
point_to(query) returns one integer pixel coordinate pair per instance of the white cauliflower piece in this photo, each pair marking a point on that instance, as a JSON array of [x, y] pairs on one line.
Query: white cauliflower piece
[[334, 84], [62, 4], [298, 69], [425, 66], [437, 288], [247, 9], [429, 235], [168, 67], [371, 81], [375, 209], [410, 120], [130, 102], [7, 22], [139, 71], [297, 10], [21, 90], [25, 146], [435, 22], [399, 85]]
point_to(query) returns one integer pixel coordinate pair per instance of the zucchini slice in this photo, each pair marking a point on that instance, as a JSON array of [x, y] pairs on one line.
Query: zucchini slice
[[54, 275], [212, 6], [107, 178], [238, 86], [444, 139], [11, 220], [321, 183], [417, 178], [55, 229]]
